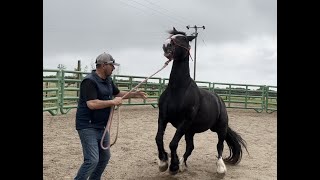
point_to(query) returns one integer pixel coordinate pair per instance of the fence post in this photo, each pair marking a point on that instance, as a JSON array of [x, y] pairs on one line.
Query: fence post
[[47, 85], [59, 75]]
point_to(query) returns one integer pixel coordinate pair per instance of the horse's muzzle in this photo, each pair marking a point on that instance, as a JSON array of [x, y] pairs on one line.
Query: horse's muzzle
[[168, 55]]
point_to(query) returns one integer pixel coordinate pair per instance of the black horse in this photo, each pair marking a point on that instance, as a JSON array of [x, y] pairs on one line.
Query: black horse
[[191, 110]]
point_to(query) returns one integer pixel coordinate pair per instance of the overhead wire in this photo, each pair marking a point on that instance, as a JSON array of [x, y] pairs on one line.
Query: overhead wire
[[159, 12], [171, 14]]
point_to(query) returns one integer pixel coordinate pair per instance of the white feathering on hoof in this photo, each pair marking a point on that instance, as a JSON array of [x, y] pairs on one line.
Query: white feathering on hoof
[[163, 165], [182, 166], [221, 167]]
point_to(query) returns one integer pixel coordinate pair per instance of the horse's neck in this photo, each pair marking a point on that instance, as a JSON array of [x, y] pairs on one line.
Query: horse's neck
[[180, 74]]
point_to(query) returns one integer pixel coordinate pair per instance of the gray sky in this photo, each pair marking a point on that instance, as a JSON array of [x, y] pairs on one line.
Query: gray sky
[[238, 44]]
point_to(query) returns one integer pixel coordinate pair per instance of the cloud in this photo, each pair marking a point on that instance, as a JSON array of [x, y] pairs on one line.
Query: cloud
[[238, 45]]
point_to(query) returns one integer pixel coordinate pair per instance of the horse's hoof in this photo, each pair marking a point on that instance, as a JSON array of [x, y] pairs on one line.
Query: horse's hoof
[[221, 167], [221, 170], [221, 175], [163, 166], [183, 165], [173, 172]]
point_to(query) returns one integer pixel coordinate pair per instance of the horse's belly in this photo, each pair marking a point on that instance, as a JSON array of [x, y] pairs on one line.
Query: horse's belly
[[200, 124], [199, 127], [204, 121]]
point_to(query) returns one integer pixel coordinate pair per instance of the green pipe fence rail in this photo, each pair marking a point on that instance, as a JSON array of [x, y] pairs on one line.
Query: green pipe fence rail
[[61, 91], [51, 91], [241, 96], [70, 85], [271, 99]]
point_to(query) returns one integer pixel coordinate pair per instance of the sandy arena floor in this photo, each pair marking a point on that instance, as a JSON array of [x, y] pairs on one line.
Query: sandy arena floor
[[134, 156]]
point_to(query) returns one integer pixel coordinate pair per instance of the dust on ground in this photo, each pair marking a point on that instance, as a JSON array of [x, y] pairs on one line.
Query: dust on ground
[[135, 154]]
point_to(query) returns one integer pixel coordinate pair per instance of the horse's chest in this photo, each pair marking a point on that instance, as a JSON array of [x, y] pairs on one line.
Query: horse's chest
[[175, 108], [174, 105]]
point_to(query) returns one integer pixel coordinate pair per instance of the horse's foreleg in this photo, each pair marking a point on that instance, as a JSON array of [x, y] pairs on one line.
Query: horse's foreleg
[[163, 155], [189, 148], [181, 130]]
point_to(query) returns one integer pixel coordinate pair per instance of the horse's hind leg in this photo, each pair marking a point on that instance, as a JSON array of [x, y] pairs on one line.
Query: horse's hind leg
[[221, 167], [189, 148], [221, 129]]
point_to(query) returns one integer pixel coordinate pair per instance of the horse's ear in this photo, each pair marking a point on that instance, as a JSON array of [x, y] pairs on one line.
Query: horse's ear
[[174, 29], [190, 38]]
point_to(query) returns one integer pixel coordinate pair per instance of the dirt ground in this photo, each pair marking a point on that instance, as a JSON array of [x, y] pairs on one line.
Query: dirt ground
[[134, 156]]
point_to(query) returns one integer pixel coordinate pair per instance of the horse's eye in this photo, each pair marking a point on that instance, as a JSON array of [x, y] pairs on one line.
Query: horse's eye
[[167, 42]]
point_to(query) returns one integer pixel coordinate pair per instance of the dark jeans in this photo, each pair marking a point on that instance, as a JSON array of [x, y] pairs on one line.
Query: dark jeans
[[95, 158]]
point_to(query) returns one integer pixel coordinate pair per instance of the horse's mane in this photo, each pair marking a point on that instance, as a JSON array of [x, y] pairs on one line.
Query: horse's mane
[[174, 32]]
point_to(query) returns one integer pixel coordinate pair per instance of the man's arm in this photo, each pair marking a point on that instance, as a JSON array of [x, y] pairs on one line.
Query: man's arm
[[136, 94], [100, 104], [89, 92]]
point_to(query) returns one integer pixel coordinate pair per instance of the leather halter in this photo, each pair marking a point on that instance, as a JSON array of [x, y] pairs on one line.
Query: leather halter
[[172, 39]]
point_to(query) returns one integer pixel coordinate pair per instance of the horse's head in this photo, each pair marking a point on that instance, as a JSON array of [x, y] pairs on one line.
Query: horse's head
[[177, 45]]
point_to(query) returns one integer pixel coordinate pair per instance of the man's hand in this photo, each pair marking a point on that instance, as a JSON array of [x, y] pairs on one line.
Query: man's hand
[[140, 94], [117, 101]]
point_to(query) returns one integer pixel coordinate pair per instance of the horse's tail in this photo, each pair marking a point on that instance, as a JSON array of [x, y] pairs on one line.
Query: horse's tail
[[235, 143]]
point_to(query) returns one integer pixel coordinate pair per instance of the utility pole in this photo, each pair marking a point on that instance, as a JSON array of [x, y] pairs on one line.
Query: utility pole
[[78, 76], [195, 47]]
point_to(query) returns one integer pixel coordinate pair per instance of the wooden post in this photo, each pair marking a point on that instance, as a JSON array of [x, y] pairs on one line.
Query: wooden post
[[47, 85]]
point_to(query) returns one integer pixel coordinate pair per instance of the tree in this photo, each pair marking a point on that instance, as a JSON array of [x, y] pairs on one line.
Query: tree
[[93, 65], [86, 68], [61, 67]]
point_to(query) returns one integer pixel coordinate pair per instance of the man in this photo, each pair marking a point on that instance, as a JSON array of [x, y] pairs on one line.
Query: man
[[95, 101]]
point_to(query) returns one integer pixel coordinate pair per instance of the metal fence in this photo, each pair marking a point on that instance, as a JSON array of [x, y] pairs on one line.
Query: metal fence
[[61, 91]]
